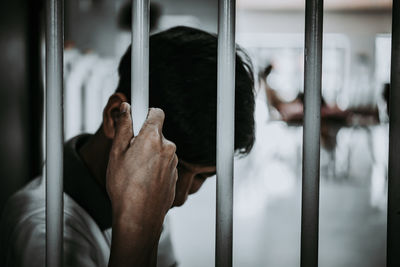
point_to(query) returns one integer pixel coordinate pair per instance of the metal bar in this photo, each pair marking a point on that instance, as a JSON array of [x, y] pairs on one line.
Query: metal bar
[[311, 133], [393, 220], [54, 133], [225, 132], [140, 62]]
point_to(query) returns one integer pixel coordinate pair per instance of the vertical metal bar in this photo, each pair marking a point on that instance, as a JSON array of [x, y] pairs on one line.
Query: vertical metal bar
[[393, 220], [54, 132], [140, 62], [311, 133], [225, 131]]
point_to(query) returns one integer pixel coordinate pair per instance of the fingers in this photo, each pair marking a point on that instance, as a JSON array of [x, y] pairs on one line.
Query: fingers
[[174, 161], [123, 129], [155, 118]]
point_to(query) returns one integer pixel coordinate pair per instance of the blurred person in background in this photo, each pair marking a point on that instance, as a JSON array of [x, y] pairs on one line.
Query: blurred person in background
[[114, 180]]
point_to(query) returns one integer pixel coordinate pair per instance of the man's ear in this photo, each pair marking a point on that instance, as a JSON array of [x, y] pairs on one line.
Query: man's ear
[[111, 113]]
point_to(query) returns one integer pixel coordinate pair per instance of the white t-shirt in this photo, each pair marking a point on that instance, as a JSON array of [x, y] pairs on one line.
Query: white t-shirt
[[23, 229]]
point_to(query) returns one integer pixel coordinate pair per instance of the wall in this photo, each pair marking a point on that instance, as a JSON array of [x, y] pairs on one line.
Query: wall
[[359, 27], [91, 25], [206, 11], [20, 95]]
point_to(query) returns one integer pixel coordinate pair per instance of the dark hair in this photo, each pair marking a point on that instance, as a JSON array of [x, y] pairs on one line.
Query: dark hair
[[183, 83]]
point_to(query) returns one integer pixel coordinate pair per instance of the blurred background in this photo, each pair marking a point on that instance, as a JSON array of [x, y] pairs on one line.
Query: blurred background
[[354, 129]]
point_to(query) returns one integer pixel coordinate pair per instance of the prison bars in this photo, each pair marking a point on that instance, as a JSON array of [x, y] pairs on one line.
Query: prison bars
[[225, 132], [226, 101], [393, 219], [311, 133], [54, 132], [140, 63]]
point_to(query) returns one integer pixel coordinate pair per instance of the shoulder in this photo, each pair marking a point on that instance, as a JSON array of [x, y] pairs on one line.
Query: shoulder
[[26, 203], [23, 229], [29, 204], [21, 223]]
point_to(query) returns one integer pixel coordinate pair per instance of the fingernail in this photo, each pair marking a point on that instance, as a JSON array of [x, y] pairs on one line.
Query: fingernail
[[123, 107]]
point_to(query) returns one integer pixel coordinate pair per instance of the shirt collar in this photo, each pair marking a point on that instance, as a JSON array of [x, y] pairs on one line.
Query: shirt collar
[[82, 187]]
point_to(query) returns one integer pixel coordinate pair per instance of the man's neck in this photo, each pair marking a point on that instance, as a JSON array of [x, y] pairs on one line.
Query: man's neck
[[94, 153]]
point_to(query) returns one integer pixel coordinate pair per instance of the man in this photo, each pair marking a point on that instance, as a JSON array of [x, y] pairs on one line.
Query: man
[[112, 179]]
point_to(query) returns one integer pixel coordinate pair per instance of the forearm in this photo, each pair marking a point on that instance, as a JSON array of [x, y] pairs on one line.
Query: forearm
[[133, 243]]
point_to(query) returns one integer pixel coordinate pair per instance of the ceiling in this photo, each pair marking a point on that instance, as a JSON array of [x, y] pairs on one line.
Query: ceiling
[[328, 4]]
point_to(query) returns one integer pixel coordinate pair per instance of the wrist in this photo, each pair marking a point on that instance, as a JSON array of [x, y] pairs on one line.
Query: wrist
[[132, 243], [139, 236], [139, 215], [137, 223]]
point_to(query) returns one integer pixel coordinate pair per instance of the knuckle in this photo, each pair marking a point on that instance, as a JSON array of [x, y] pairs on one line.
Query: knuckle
[[114, 152], [149, 128], [172, 147], [153, 135], [169, 147], [151, 140], [158, 112], [176, 161], [156, 116]]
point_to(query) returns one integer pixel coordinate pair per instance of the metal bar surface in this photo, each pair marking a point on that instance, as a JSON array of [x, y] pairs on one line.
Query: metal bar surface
[[225, 132], [393, 219], [54, 133], [311, 133], [140, 62]]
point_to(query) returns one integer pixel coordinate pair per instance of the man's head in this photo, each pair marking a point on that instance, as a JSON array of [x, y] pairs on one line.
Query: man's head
[[183, 83]]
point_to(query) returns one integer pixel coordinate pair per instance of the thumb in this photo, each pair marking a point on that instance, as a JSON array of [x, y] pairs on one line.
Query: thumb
[[123, 128]]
